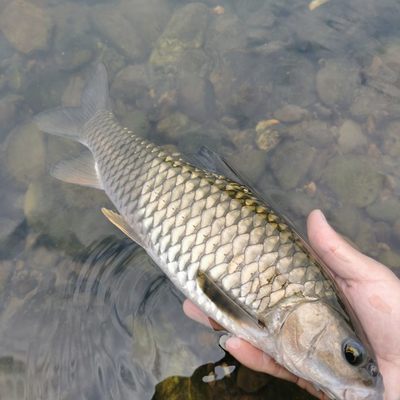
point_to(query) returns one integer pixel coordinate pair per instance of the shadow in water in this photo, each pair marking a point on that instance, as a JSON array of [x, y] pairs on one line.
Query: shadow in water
[[105, 325]]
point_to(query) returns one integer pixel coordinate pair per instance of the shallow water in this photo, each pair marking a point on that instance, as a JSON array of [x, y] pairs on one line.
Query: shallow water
[[305, 103]]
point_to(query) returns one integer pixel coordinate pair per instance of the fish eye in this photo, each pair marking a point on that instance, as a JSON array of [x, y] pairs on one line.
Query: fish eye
[[354, 352]]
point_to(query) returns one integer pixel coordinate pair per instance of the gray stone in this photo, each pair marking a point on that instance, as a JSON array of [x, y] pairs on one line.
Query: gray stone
[[384, 209], [136, 121], [346, 219], [351, 137], [7, 227], [149, 17], [315, 132], [290, 163], [291, 113], [74, 54], [41, 200], [251, 163], [390, 258], [27, 26], [196, 96], [131, 83], [174, 126], [369, 102], [366, 239], [391, 142], [185, 30], [227, 33], [25, 153], [8, 112], [46, 210], [353, 179], [111, 23], [336, 83]]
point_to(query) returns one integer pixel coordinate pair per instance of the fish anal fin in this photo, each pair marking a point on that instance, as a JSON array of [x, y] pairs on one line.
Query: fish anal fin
[[225, 303], [81, 171], [122, 225]]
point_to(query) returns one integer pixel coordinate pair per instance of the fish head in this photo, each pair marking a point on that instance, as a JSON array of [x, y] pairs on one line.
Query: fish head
[[317, 343]]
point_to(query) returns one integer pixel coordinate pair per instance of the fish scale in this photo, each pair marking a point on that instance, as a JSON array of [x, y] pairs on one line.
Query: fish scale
[[210, 212], [230, 253]]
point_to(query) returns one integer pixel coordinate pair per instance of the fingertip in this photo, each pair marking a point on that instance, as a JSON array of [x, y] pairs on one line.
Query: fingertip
[[195, 313], [233, 343]]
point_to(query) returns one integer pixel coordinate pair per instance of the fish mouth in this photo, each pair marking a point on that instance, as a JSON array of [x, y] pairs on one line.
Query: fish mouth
[[375, 393], [349, 394], [357, 394]]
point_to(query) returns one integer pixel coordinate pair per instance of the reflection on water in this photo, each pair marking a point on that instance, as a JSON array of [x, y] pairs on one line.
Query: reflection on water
[[304, 102]]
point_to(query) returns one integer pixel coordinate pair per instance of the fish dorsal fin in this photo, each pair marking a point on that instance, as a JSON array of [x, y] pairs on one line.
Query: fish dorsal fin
[[122, 225], [81, 171], [209, 160], [225, 303]]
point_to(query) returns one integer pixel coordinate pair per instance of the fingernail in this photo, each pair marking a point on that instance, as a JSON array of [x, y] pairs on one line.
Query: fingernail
[[223, 339], [321, 214]]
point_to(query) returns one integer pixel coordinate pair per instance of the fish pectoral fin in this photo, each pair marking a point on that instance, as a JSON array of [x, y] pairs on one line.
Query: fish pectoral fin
[[122, 225], [225, 303], [81, 171]]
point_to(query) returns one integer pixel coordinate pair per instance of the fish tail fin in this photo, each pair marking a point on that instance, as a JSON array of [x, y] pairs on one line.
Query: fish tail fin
[[69, 121]]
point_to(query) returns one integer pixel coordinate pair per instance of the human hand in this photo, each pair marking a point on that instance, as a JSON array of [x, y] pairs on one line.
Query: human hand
[[372, 290]]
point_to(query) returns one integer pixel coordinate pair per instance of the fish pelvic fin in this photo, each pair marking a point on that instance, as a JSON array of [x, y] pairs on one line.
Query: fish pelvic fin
[[81, 171], [117, 220], [69, 121]]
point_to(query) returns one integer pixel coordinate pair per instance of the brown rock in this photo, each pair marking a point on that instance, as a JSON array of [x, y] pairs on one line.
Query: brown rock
[[26, 26]]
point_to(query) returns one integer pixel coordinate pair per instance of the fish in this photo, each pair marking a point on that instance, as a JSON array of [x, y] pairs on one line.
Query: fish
[[221, 245]]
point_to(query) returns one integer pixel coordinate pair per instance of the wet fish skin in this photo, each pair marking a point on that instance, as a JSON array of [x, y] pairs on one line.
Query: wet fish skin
[[258, 273]]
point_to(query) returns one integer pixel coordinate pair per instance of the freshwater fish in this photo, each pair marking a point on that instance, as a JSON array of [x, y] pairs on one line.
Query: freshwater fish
[[227, 250]]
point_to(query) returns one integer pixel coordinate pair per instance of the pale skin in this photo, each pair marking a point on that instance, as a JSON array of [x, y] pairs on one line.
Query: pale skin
[[372, 290]]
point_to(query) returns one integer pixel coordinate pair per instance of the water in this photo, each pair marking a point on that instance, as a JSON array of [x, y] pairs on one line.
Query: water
[[304, 103]]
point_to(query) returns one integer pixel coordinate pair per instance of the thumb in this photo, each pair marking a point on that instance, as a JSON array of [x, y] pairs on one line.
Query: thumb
[[341, 258]]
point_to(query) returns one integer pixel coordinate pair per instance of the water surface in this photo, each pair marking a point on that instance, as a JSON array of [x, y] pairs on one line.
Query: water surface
[[303, 99]]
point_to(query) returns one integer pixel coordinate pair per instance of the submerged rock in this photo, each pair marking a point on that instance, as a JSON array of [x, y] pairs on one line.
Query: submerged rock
[[291, 162], [351, 137], [336, 83], [27, 26], [346, 219], [8, 112], [174, 126], [384, 209], [185, 30], [315, 132], [149, 17], [253, 170], [369, 102], [68, 215], [111, 23], [353, 180], [136, 121], [25, 153], [291, 113], [391, 142], [131, 83], [267, 136], [196, 96], [390, 258], [227, 33]]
